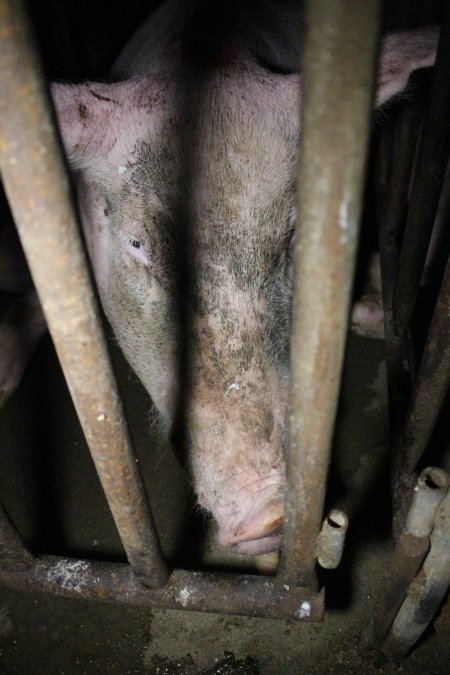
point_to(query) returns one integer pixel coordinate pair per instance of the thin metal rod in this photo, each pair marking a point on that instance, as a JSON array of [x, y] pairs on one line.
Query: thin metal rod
[[427, 183], [244, 595], [425, 593], [36, 183], [411, 547], [339, 59], [430, 388], [391, 221]]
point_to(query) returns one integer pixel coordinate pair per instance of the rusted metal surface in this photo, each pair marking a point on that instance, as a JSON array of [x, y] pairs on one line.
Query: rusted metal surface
[[36, 183], [412, 546], [430, 387], [428, 494], [11, 546], [238, 594], [392, 208], [338, 68], [426, 592], [427, 181], [330, 542], [408, 556]]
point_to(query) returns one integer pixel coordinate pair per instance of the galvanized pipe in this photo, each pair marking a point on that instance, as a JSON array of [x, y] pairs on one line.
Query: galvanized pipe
[[425, 593], [411, 547], [339, 59], [427, 183], [236, 594], [36, 183]]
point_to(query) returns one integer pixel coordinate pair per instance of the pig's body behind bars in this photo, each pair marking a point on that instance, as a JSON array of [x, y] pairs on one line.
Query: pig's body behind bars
[[185, 170]]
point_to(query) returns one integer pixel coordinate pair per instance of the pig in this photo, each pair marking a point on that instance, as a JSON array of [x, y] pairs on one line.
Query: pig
[[185, 171]]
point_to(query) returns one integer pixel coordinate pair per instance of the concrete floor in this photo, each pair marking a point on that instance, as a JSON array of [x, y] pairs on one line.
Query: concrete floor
[[49, 487]]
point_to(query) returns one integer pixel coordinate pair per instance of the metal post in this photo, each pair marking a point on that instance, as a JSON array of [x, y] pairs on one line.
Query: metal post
[[36, 183], [391, 220], [339, 60], [425, 593], [430, 388], [427, 184]]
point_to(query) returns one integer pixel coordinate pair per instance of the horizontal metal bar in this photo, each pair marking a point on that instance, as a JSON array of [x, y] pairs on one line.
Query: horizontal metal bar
[[37, 187], [237, 594], [338, 70], [427, 183]]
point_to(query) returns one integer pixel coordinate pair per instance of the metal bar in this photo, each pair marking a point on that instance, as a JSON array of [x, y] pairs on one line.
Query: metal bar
[[391, 219], [237, 594], [412, 546], [430, 388], [35, 181], [425, 593], [330, 542], [338, 68], [427, 183]]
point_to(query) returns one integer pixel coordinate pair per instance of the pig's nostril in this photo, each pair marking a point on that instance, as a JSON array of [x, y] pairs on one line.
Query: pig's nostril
[[264, 522]]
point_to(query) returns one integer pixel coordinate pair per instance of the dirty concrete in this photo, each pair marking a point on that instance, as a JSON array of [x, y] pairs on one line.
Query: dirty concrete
[[50, 489]]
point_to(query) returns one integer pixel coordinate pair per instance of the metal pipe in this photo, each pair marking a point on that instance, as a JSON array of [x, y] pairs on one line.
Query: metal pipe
[[411, 547], [244, 595], [391, 220], [36, 183], [428, 494], [425, 593], [427, 181], [430, 388], [330, 542], [339, 60]]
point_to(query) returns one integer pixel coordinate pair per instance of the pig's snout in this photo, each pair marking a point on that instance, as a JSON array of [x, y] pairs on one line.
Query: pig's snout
[[258, 532]]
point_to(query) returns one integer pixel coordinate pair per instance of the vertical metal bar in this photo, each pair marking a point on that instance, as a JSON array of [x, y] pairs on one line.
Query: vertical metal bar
[[431, 386], [427, 184], [391, 223], [338, 70], [36, 184]]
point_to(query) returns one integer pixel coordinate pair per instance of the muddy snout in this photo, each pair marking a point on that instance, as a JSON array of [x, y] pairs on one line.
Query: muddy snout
[[258, 532]]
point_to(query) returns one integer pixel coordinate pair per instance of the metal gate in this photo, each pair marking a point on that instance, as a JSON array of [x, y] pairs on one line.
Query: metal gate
[[340, 50]]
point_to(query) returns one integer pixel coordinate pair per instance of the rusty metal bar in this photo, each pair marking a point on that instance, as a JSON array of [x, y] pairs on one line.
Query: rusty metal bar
[[237, 594], [411, 547], [425, 593], [426, 186], [391, 220], [430, 388], [36, 183], [339, 60]]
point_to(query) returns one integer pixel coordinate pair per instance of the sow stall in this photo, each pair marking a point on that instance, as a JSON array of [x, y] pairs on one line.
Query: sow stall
[[340, 55]]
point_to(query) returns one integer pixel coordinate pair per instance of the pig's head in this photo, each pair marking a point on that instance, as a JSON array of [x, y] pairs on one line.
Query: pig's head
[[187, 198]]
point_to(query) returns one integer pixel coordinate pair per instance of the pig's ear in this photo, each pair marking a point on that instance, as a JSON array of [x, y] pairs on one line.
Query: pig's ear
[[401, 54], [87, 117]]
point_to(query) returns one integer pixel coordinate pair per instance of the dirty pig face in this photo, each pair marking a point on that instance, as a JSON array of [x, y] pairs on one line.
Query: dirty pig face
[[192, 251]]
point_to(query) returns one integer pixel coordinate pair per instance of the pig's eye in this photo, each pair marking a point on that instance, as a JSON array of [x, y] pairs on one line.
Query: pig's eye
[[136, 249]]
